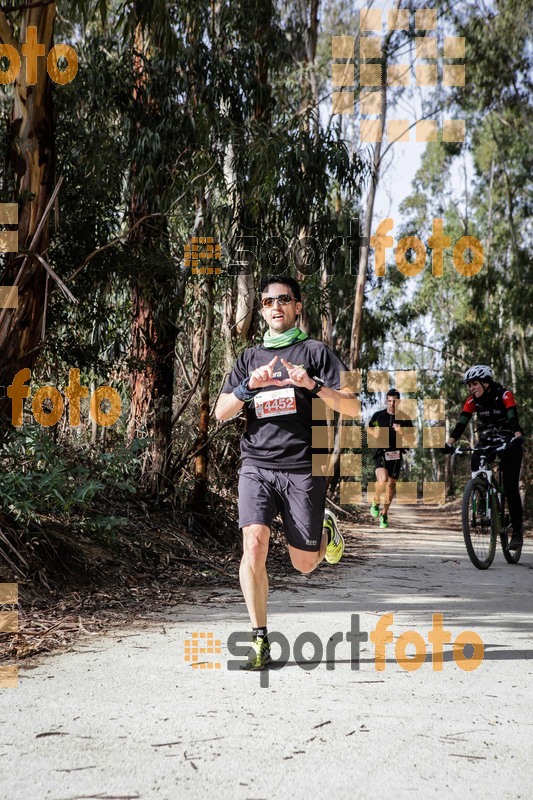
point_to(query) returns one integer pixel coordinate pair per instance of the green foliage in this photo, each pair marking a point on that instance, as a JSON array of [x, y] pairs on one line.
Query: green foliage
[[102, 528], [40, 479], [212, 129]]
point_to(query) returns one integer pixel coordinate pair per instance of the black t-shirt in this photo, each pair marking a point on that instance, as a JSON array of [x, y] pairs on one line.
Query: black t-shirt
[[278, 433], [382, 419]]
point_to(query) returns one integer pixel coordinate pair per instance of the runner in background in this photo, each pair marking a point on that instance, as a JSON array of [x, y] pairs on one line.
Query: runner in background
[[388, 460]]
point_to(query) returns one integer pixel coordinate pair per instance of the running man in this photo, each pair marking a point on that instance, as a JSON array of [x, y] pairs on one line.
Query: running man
[[388, 460], [497, 415], [276, 382]]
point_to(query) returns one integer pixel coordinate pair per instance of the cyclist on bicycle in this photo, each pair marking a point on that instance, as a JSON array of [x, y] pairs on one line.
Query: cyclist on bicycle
[[497, 416]]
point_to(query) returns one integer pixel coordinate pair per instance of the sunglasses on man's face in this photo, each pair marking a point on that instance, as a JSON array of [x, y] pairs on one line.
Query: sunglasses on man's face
[[283, 300]]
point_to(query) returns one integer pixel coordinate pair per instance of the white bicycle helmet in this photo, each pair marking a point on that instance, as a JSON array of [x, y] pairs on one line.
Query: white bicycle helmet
[[479, 373]]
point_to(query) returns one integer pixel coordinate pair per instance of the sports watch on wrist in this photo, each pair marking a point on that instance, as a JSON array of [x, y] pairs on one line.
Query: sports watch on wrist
[[243, 391], [319, 383]]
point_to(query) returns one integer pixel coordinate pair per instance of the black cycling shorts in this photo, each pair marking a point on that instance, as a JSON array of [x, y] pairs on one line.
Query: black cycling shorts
[[298, 497], [392, 467]]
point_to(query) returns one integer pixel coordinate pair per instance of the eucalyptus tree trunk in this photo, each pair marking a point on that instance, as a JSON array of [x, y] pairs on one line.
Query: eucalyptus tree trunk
[[309, 114], [201, 461], [250, 222], [152, 341], [230, 180], [325, 282], [357, 321], [226, 330], [152, 382], [245, 303], [32, 157]]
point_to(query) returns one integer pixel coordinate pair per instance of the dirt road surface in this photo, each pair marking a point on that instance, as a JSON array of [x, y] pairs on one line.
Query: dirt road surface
[[124, 715]]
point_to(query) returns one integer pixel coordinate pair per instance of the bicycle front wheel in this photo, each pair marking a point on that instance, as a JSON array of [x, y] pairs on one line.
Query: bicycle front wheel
[[478, 532]]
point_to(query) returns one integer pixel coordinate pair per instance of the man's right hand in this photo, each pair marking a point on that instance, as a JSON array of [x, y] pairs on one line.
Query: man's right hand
[[262, 376]]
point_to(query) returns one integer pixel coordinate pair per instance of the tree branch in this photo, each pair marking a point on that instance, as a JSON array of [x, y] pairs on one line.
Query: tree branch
[[441, 351], [188, 399], [35, 240], [184, 368], [127, 233], [189, 455]]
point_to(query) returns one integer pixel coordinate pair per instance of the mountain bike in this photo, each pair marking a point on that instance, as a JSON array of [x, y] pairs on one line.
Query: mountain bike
[[484, 513]]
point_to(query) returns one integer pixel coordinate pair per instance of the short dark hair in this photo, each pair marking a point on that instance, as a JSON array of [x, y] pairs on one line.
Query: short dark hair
[[393, 393], [294, 285]]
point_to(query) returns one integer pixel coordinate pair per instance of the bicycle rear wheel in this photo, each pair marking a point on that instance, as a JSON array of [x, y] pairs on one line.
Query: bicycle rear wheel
[[511, 556], [478, 532]]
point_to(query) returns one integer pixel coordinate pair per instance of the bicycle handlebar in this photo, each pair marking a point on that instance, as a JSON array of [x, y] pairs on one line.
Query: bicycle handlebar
[[479, 448]]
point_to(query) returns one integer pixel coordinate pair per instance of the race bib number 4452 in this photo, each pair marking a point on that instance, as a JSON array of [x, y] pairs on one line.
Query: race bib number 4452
[[392, 455], [276, 403]]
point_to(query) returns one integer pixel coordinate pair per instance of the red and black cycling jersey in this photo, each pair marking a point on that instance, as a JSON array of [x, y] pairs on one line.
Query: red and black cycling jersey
[[495, 409]]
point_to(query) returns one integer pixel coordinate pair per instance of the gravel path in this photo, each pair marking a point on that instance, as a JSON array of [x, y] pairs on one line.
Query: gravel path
[[123, 715]]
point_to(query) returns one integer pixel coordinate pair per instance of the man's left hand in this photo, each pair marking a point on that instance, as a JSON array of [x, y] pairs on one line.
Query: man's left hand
[[297, 376]]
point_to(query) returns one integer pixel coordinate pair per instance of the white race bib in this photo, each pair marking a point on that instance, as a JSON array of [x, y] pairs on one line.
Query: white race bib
[[392, 455], [276, 403]]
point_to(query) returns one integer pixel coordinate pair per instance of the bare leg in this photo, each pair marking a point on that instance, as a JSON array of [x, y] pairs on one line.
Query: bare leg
[[253, 574], [305, 561], [382, 476], [389, 495]]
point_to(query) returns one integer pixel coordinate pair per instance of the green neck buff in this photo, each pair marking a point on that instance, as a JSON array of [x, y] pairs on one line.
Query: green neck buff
[[284, 339]]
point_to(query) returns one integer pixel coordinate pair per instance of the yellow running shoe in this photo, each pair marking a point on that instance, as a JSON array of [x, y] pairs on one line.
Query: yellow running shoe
[[335, 548], [259, 657]]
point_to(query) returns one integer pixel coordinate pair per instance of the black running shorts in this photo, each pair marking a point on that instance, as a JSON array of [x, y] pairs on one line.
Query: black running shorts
[[300, 498], [392, 467]]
